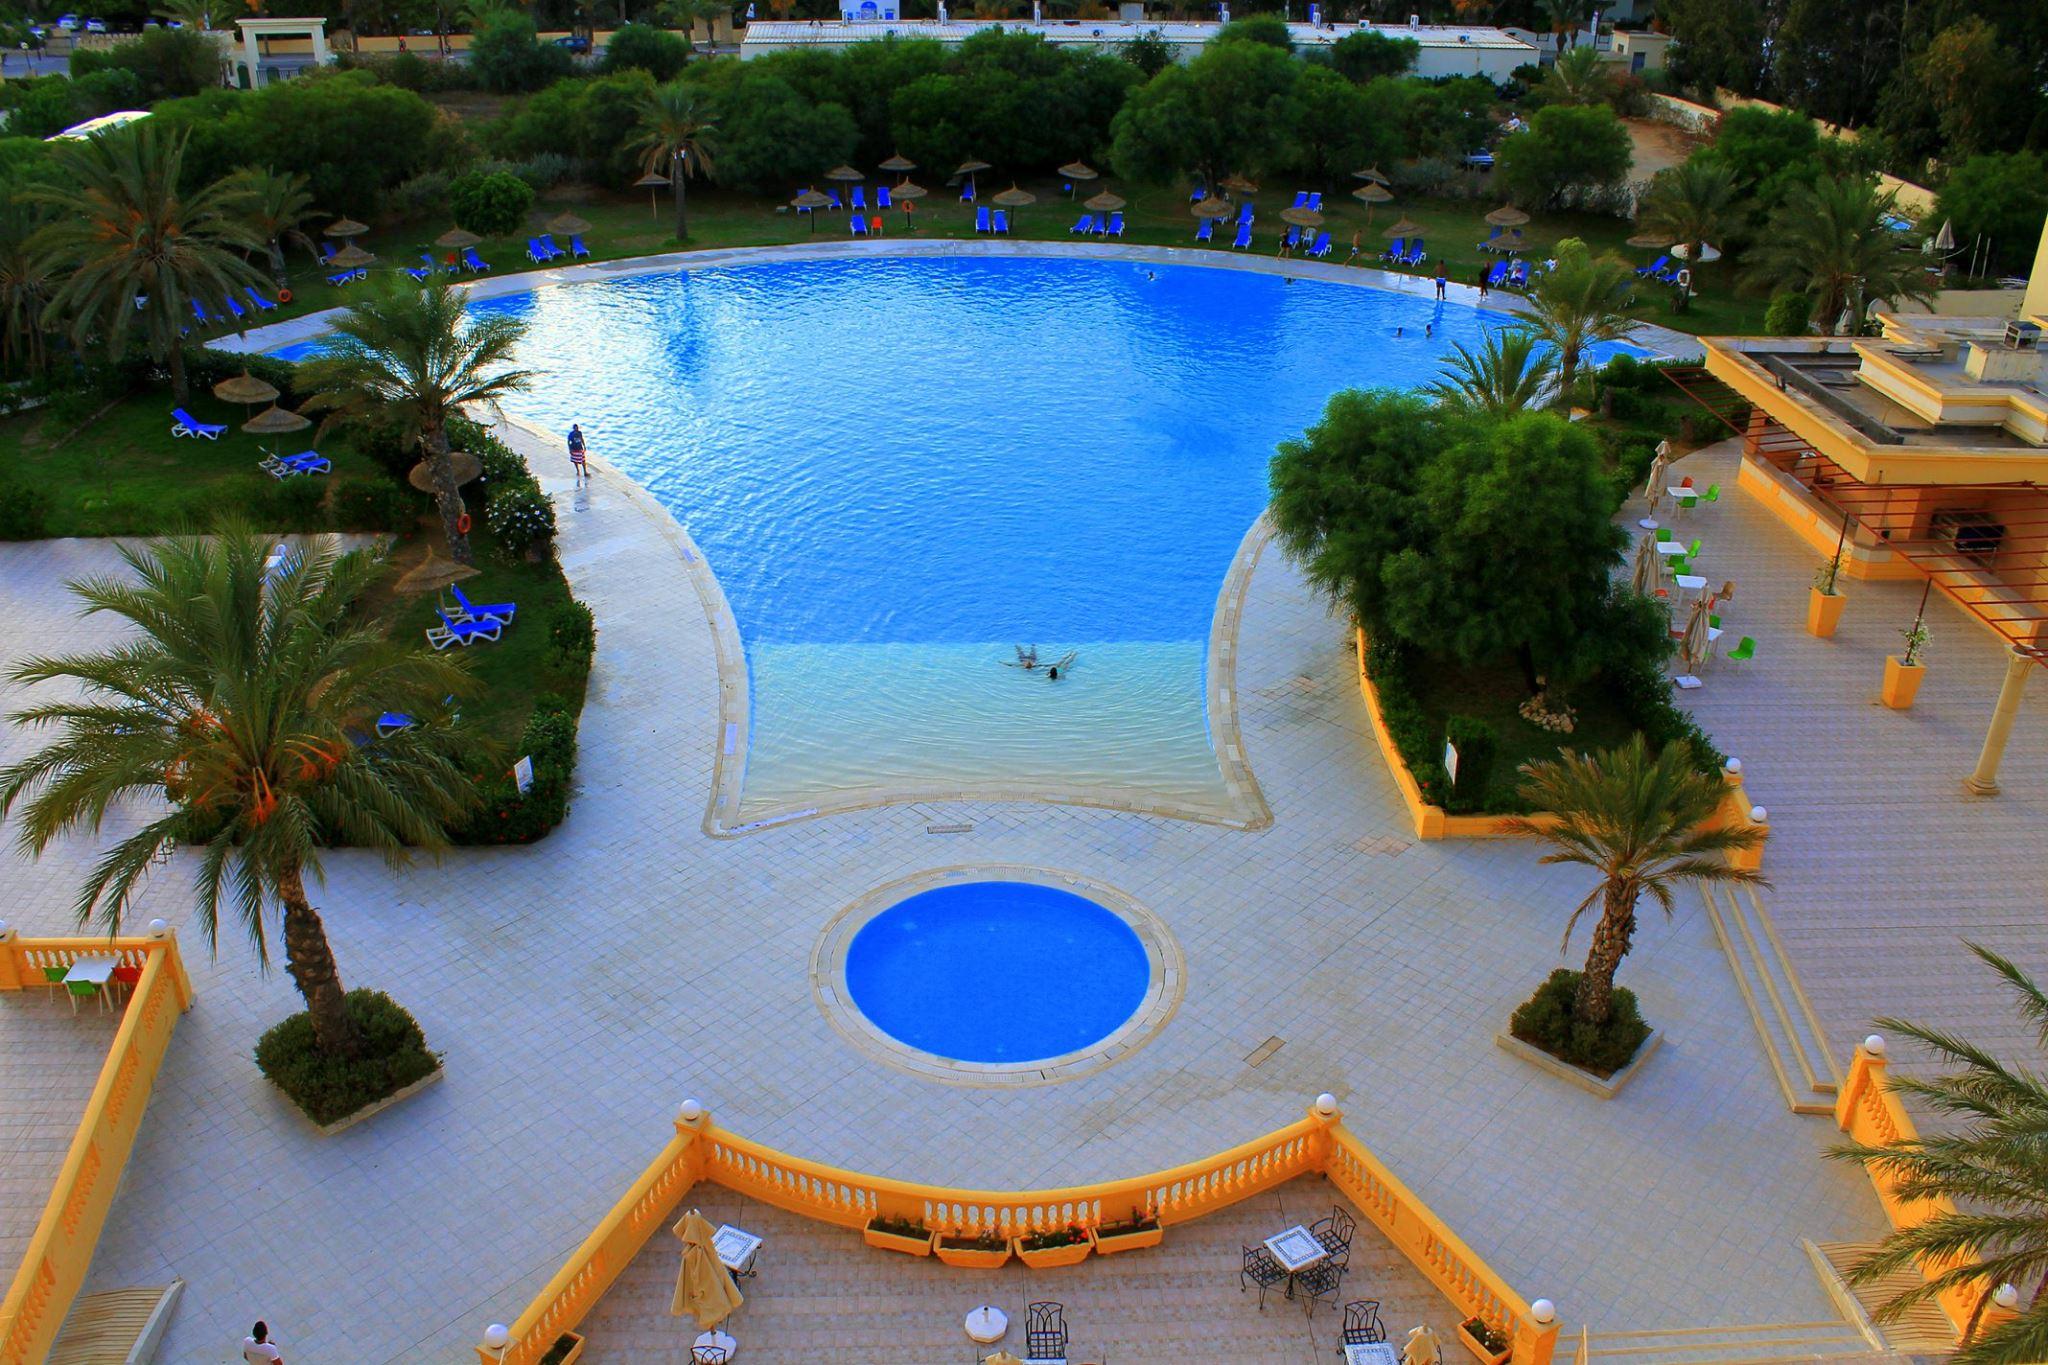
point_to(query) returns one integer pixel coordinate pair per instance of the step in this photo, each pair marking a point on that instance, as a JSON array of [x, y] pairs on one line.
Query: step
[[1794, 1042], [1923, 1330], [1739, 1345], [116, 1326]]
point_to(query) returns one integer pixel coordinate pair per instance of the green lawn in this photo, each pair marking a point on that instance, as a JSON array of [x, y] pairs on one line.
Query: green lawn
[[1494, 694]]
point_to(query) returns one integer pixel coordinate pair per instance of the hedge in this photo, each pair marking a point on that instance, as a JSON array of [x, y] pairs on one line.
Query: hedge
[[504, 816], [329, 1088]]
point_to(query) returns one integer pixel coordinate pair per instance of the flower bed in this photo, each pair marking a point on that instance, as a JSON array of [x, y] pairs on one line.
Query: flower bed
[[1134, 1233], [1054, 1247], [898, 1234], [329, 1089], [983, 1251]]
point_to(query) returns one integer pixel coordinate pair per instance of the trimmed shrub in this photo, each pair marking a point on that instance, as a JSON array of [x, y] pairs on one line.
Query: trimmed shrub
[[656, 51], [1545, 1020], [522, 518], [509, 57], [24, 511], [1415, 736], [325, 1088], [572, 635], [1476, 744], [1788, 314], [492, 203], [503, 816]]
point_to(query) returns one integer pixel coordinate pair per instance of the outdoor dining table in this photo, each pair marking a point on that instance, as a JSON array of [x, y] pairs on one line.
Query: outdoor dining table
[[1370, 1353], [736, 1248], [1296, 1250], [1667, 548], [1691, 582], [95, 971]]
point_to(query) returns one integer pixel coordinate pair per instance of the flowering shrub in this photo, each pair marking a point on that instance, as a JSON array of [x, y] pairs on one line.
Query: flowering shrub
[[504, 816], [522, 519]]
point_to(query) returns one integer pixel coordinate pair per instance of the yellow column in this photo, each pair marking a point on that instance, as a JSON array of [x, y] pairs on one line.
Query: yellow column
[[1984, 781]]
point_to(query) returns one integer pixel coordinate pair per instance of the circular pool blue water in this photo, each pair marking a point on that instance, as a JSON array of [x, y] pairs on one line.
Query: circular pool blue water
[[997, 972]]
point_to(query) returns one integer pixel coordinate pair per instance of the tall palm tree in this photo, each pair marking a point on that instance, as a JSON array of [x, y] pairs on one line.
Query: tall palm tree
[[24, 286], [1829, 240], [1988, 1161], [1565, 17], [409, 352], [1691, 204], [1506, 375], [1579, 76], [676, 138], [123, 231], [235, 702], [1584, 300], [1637, 819], [278, 206], [199, 14]]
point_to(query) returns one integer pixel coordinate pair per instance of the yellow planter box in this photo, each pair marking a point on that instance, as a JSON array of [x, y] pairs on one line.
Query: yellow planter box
[[1823, 612], [575, 1351], [1125, 1241], [1071, 1254], [971, 1257], [1479, 1350], [896, 1241], [1901, 682]]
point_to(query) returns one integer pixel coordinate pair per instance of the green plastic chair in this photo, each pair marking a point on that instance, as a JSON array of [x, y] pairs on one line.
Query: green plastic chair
[[1692, 551], [53, 977], [1713, 493], [80, 990], [1745, 649], [1663, 534], [1713, 620]]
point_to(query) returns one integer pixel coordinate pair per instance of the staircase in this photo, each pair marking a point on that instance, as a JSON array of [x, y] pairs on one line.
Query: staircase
[[1923, 1330], [1753, 1344], [1785, 1022]]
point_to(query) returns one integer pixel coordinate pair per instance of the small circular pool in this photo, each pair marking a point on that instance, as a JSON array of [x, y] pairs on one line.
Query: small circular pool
[[997, 971]]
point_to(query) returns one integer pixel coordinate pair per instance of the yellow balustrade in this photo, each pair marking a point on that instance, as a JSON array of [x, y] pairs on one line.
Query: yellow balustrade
[[1318, 1142], [1870, 1113], [53, 1269]]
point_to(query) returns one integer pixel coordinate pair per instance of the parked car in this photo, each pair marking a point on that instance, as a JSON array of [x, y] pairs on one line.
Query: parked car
[[95, 26], [68, 22], [575, 43]]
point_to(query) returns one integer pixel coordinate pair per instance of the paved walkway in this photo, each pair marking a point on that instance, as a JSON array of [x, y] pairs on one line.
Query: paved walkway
[[50, 1060], [820, 1294], [583, 987]]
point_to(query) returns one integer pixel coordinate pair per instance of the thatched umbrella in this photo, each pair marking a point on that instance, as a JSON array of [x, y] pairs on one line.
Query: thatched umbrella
[[1306, 218], [1079, 170], [1403, 228], [350, 257], [907, 194], [1507, 215], [1650, 241], [246, 389], [1211, 208], [968, 168], [1104, 202], [462, 465], [346, 227], [568, 224], [845, 175], [1014, 198], [1372, 196], [458, 239], [275, 421], [898, 164], [1371, 174], [434, 573], [654, 182], [1237, 184], [811, 201]]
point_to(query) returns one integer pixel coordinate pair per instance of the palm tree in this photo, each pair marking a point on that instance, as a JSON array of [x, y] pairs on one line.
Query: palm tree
[[1584, 300], [1579, 76], [278, 206], [1829, 240], [1506, 375], [1565, 17], [1639, 820], [409, 352], [199, 14], [1690, 204], [235, 701], [1988, 1161], [676, 139], [132, 248], [24, 286]]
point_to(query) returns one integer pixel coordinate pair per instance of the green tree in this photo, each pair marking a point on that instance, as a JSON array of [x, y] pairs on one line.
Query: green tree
[[509, 57], [2004, 198], [1691, 204], [1369, 55], [770, 137], [658, 52], [278, 207], [1969, 85], [677, 138], [122, 235], [1716, 43], [1830, 241], [199, 14], [1267, 29], [1565, 151], [25, 285], [1506, 375], [166, 63], [1582, 301], [1330, 129], [1224, 111], [408, 353], [1638, 820], [1149, 53], [1769, 152], [1832, 59], [1986, 1164], [1579, 76], [236, 700], [490, 203]]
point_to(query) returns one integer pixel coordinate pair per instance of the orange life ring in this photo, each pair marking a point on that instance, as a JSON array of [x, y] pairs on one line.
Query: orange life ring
[[284, 296], [462, 523]]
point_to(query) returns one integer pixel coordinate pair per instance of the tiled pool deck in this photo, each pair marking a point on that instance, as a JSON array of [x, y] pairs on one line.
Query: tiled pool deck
[[51, 1053]]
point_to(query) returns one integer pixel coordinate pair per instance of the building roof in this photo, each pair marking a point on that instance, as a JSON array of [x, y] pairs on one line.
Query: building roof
[[79, 132], [811, 32]]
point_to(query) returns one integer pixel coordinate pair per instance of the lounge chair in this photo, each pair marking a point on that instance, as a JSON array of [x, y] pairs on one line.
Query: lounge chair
[[576, 247], [305, 462], [882, 197], [1646, 271], [533, 251], [1292, 239], [326, 252], [348, 276], [1392, 255], [419, 272], [1300, 199], [1244, 237], [981, 218], [184, 423], [1518, 275], [241, 314], [262, 304], [1245, 212], [206, 319], [391, 722], [857, 225], [1417, 255], [464, 631], [837, 202], [1205, 231], [1200, 193], [1492, 242], [1322, 246], [475, 262], [427, 263], [1083, 226], [502, 611], [1000, 223], [1115, 226], [1497, 275], [860, 197], [967, 193], [1315, 201], [547, 241]]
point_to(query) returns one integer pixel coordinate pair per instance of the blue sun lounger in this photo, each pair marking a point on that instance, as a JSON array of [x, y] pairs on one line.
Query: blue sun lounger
[[1416, 255], [1322, 246], [547, 241], [857, 225], [533, 251], [262, 304], [1392, 255], [462, 631], [1115, 227], [348, 277], [967, 193], [326, 252], [206, 319], [1205, 231], [1084, 226], [981, 218], [576, 247], [1653, 267], [184, 423], [1244, 237], [1300, 199], [474, 261], [501, 611], [882, 197], [1497, 275], [241, 313], [860, 197], [427, 263], [1492, 242], [1518, 275], [837, 202], [1315, 201], [1293, 238], [1000, 223], [305, 462], [419, 272], [1244, 212]]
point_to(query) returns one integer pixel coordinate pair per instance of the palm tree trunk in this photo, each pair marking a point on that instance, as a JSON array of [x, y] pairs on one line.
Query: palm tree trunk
[[681, 167], [277, 263], [310, 960], [1567, 370], [447, 497], [1594, 1001]]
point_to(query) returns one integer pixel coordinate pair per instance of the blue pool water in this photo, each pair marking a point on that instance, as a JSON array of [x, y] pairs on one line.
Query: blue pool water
[[900, 469], [997, 972]]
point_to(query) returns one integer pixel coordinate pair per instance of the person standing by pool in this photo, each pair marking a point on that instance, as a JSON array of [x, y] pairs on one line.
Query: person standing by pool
[[1354, 248], [1443, 278], [576, 452], [1482, 281]]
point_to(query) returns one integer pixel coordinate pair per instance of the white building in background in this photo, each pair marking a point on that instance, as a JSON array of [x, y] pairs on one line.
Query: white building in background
[[1445, 50]]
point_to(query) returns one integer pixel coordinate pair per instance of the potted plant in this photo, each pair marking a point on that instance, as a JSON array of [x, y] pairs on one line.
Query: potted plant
[[1139, 1230], [1484, 1340], [1055, 1246], [1902, 672], [1824, 603], [906, 1235], [567, 1350], [972, 1250]]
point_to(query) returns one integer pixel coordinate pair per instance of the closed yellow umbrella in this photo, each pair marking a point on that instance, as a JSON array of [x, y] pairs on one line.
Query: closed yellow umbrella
[[704, 1287]]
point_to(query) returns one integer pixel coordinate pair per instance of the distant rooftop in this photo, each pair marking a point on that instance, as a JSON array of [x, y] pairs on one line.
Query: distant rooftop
[[1179, 33]]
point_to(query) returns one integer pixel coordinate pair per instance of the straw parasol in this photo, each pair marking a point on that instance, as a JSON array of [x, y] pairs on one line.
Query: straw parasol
[[653, 182], [1647, 573], [1507, 215], [898, 164], [968, 168], [432, 574], [1650, 241], [1372, 175], [345, 227], [1307, 218], [457, 239], [350, 257], [1237, 184], [1079, 170], [812, 201], [704, 1287], [906, 190], [275, 421], [246, 389], [568, 224], [464, 465], [1211, 208], [1373, 194], [1014, 198], [1403, 228], [1105, 202], [846, 175]]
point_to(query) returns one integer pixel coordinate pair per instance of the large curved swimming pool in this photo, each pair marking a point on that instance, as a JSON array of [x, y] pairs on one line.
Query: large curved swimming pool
[[903, 469]]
